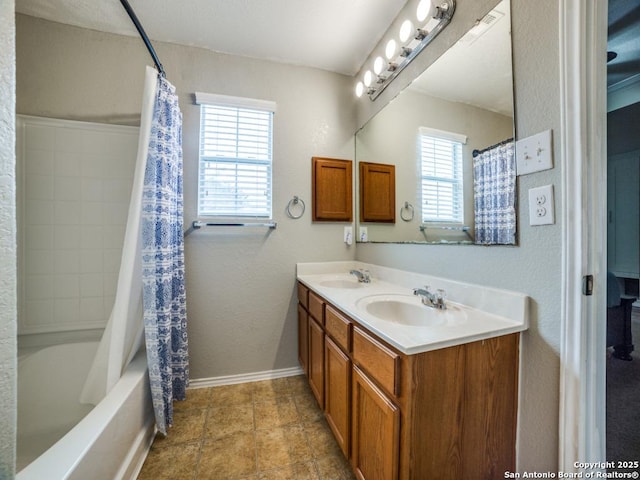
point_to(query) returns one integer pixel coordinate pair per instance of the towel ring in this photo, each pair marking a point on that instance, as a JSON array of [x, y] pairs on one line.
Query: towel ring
[[292, 203], [409, 207]]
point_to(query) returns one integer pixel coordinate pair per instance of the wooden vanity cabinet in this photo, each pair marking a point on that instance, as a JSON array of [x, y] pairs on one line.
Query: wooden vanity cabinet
[[445, 414]]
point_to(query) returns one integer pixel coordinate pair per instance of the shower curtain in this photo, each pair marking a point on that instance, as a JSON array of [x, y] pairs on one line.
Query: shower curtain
[[152, 256], [494, 188]]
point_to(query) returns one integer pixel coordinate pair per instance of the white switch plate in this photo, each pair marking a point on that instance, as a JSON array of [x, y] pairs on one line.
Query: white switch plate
[[534, 153], [541, 206], [348, 235], [364, 234]]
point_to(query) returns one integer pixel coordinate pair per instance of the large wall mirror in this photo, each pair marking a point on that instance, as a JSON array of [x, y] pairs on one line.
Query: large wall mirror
[[463, 101]]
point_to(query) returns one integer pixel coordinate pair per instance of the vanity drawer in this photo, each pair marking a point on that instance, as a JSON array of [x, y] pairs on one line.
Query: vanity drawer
[[303, 295], [378, 361], [338, 327], [316, 307]]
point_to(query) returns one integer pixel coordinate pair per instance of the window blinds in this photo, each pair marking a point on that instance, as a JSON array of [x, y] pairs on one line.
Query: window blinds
[[235, 159], [441, 178]]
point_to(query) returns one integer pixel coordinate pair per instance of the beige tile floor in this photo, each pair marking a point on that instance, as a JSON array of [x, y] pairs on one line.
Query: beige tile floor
[[267, 430]]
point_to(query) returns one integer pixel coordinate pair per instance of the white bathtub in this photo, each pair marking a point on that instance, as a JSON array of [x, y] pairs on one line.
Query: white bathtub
[[109, 440]]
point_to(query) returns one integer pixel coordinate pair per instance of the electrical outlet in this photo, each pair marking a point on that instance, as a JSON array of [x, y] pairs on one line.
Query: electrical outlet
[[348, 235], [541, 206], [534, 153], [364, 234]]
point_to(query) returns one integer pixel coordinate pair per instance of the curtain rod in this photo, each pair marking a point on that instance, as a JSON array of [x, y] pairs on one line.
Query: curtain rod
[[143, 35], [478, 152]]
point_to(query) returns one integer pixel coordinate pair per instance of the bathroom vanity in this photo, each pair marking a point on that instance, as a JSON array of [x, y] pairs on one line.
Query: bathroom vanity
[[412, 392]]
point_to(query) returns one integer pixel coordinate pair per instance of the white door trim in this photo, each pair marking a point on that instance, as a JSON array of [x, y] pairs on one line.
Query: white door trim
[[583, 39]]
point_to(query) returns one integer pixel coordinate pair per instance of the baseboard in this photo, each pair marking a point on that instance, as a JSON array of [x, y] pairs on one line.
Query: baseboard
[[244, 377]]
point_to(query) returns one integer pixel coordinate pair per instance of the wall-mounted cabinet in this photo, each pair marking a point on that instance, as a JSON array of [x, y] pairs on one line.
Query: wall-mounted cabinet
[[377, 192], [331, 189]]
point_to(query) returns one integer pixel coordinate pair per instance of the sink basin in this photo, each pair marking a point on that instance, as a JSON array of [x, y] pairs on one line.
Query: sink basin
[[408, 310], [340, 284]]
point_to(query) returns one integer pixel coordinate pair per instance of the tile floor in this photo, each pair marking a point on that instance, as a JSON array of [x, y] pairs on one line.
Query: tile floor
[[267, 430]]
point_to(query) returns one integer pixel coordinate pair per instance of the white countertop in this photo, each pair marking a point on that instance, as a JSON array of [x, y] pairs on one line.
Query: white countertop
[[484, 312]]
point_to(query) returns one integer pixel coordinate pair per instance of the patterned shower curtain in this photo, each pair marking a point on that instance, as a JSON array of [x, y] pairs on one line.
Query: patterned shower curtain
[[164, 297], [494, 187]]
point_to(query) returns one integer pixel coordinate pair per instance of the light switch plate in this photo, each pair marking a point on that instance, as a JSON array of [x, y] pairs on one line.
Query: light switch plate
[[534, 153], [348, 235], [364, 234], [541, 206]]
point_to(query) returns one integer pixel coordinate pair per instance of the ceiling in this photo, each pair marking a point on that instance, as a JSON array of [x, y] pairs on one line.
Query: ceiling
[[624, 39], [333, 35]]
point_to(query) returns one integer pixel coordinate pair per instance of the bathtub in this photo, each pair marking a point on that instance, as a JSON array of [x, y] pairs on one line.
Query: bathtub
[[59, 438]]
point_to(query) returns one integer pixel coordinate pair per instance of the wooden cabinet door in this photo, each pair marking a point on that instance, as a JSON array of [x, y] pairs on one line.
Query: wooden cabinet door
[[375, 431], [316, 361], [303, 339], [377, 192], [331, 185], [337, 393]]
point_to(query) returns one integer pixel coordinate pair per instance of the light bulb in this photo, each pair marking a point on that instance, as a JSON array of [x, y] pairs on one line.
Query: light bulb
[[368, 77], [359, 89], [426, 9], [378, 65], [390, 49], [406, 29]]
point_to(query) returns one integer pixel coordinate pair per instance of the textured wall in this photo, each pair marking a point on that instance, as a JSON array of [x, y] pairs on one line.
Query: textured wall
[[534, 266], [240, 282], [8, 298]]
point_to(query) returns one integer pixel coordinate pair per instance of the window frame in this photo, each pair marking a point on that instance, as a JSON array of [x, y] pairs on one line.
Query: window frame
[[456, 179], [241, 105]]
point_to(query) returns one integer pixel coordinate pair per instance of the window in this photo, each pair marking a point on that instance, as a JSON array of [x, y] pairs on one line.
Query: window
[[236, 143], [442, 198]]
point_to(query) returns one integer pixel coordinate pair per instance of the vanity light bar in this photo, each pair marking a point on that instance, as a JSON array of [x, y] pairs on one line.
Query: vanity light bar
[[442, 12]]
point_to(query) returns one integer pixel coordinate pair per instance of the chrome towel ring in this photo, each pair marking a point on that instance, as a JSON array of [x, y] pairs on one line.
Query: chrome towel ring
[[293, 203], [409, 208]]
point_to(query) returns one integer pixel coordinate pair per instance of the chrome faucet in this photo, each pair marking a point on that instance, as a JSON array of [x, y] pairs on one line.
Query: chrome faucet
[[431, 299], [363, 275]]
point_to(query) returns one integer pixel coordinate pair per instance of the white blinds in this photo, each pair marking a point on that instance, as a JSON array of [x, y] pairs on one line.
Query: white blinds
[[441, 179], [235, 161]]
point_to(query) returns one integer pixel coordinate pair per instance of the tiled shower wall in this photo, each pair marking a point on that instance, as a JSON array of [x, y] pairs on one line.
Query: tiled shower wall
[[74, 185]]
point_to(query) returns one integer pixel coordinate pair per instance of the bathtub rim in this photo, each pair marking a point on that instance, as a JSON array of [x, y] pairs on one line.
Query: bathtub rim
[[62, 458]]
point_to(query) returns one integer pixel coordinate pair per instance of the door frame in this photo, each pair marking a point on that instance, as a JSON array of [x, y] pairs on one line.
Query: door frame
[[583, 93]]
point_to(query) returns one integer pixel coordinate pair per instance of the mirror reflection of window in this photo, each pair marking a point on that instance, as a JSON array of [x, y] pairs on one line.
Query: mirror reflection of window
[[441, 181]]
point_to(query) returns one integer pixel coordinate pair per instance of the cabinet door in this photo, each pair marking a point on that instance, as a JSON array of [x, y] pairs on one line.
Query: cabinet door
[[303, 339], [316, 361], [331, 189], [375, 431], [377, 192], [337, 393]]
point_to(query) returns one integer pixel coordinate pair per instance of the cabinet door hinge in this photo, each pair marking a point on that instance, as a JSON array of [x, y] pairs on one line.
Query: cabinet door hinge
[[587, 285]]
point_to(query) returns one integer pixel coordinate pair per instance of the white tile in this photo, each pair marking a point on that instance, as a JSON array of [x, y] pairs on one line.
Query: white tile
[[120, 166], [66, 286], [68, 163], [39, 262], [38, 313], [115, 214], [112, 258], [113, 236], [66, 188], [92, 309], [110, 283], [38, 187], [92, 166], [39, 237], [66, 212], [38, 212], [117, 190], [91, 237], [66, 237], [92, 189], [67, 261], [108, 305], [69, 139], [91, 261], [66, 310], [38, 162], [91, 213], [40, 136], [38, 287], [91, 285]]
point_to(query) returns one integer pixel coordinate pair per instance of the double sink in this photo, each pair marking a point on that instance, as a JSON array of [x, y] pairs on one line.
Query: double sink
[[388, 306]]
